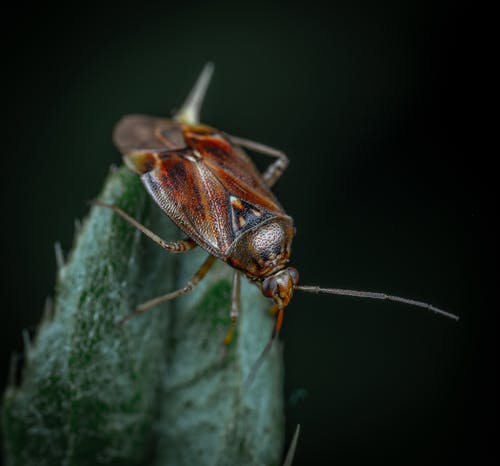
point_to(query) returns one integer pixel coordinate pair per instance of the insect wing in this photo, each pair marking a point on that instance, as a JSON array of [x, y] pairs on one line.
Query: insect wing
[[207, 200], [193, 198], [234, 169], [207, 186], [137, 131]]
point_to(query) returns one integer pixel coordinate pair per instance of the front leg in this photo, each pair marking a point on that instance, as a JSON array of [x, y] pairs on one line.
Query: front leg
[[170, 246]]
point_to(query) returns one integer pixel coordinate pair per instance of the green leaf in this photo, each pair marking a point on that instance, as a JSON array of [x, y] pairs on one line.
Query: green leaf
[[154, 391]]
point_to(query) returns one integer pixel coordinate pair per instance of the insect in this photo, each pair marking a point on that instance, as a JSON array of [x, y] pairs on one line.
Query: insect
[[205, 182]]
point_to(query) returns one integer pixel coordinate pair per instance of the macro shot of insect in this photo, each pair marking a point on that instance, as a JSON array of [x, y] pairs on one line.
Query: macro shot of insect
[[237, 218], [205, 182]]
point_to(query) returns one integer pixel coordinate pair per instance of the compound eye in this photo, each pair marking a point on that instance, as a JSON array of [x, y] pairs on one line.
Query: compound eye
[[294, 273], [269, 286]]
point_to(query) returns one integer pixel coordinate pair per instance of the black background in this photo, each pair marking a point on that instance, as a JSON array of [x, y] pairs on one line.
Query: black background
[[373, 104]]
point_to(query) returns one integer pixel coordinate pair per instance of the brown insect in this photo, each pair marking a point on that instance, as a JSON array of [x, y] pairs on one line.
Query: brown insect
[[209, 187]]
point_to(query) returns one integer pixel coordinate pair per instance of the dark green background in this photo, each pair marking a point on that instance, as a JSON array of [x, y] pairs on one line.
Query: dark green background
[[370, 103]]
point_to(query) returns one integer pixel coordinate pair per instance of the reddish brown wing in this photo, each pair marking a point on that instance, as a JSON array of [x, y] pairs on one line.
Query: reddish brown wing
[[209, 188], [193, 198], [231, 166]]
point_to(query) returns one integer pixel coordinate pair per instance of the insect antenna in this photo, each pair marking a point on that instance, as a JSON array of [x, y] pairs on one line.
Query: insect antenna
[[267, 348], [381, 296], [190, 111]]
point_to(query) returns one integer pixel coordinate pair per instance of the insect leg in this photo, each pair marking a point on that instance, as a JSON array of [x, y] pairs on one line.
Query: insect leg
[[235, 306], [195, 279], [276, 169], [170, 246]]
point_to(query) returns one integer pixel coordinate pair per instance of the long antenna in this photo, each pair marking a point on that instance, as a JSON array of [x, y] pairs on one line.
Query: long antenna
[[190, 111], [381, 296]]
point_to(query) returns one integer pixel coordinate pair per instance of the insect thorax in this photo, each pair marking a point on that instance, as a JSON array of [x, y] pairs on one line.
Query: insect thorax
[[262, 250]]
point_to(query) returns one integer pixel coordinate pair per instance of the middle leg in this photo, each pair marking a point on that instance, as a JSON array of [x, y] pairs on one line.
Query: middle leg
[[195, 279]]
